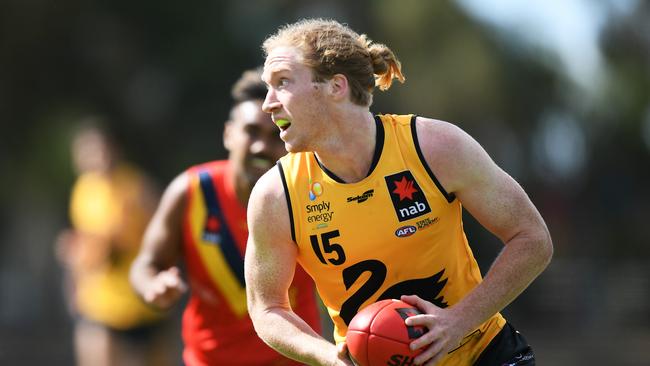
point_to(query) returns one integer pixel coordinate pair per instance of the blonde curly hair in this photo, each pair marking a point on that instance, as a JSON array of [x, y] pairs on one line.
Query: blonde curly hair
[[330, 48]]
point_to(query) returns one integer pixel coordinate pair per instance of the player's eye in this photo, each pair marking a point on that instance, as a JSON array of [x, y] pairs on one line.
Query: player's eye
[[252, 131]]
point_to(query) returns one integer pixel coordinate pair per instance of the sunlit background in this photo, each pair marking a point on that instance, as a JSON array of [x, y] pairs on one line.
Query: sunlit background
[[557, 91]]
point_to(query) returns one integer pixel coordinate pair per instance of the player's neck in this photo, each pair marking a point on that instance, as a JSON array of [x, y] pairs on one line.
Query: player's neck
[[349, 151], [238, 184]]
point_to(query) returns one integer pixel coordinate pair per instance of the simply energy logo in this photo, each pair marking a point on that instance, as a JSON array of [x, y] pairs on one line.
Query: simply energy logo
[[408, 199], [315, 190], [320, 213]]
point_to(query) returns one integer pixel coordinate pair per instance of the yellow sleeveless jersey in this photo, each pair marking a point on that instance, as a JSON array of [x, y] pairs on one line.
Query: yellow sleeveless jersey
[[396, 232], [98, 207]]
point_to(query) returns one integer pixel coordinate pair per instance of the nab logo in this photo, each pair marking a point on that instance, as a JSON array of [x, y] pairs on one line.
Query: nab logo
[[408, 199]]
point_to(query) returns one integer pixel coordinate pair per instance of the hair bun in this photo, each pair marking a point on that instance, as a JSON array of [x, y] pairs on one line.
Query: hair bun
[[385, 66]]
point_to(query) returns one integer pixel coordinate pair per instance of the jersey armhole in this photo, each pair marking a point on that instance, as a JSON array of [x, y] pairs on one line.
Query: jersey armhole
[[288, 197], [450, 197], [190, 192]]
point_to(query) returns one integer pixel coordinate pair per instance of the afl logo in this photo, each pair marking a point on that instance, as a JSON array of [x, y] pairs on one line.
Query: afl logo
[[405, 231]]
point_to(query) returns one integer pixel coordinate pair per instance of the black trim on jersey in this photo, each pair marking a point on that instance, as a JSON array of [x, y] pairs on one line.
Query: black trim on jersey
[[327, 171], [379, 147], [286, 194], [450, 197]]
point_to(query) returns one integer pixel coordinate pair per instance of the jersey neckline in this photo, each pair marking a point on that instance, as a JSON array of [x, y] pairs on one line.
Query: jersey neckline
[[379, 146]]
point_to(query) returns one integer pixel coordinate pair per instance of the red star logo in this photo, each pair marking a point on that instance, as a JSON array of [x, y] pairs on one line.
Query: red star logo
[[405, 189], [213, 224]]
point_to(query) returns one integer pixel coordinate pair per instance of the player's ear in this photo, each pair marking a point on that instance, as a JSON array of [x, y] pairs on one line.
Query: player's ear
[[339, 87], [227, 133]]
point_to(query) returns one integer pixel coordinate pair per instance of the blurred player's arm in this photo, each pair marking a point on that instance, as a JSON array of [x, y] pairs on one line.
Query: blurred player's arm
[[81, 252], [141, 198], [154, 274], [499, 203], [269, 267]]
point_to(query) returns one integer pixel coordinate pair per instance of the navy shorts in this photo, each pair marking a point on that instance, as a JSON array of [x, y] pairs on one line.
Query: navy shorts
[[508, 348]]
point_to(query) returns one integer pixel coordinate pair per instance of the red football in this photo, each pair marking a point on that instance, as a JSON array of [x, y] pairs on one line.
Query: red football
[[378, 336]]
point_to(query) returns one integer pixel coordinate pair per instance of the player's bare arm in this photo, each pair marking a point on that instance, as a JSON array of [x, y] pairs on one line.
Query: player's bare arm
[[154, 274], [499, 203], [269, 268]]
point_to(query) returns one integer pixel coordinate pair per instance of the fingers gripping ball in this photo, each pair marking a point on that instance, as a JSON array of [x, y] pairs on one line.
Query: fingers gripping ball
[[378, 336]]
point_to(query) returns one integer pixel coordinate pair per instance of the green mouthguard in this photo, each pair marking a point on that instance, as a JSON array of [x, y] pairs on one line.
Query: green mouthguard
[[282, 123]]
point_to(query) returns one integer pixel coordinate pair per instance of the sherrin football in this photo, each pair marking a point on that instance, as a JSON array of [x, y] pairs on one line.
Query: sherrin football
[[378, 336]]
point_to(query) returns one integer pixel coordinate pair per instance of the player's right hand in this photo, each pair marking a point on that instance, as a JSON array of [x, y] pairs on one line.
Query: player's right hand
[[442, 336], [165, 289]]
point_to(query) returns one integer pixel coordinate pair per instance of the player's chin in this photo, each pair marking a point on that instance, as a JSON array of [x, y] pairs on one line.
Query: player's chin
[[259, 164], [294, 147], [254, 175]]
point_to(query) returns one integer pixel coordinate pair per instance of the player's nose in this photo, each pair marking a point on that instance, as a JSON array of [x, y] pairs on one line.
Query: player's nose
[[271, 102], [259, 146]]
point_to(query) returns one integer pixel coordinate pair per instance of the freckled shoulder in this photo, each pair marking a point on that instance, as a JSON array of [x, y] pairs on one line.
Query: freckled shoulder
[[447, 149]]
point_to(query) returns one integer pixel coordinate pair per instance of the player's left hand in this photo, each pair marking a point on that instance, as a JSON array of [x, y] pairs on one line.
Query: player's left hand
[[343, 355], [443, 333]]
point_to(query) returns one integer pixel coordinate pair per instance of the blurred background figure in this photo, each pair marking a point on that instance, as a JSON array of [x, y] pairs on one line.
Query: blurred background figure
[[200, 225], [110, 204]]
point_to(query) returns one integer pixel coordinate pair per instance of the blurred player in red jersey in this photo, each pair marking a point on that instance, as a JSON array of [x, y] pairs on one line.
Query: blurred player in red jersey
[[202, 219]]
